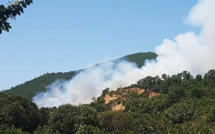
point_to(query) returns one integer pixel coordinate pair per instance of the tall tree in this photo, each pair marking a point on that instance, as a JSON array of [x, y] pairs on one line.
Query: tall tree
[[11, 11]]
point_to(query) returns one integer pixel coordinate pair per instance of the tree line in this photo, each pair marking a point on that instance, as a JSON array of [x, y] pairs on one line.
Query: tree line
[[186, 104]]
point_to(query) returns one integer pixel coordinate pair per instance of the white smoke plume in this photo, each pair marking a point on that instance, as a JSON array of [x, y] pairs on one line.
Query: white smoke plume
[[89, 83], [189, 51]]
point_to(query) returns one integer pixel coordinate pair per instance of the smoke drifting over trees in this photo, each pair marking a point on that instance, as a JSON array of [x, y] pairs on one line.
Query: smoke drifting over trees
[[188, 51]]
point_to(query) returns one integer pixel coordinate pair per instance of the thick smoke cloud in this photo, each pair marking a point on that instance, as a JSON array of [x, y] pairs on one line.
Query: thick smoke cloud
[[187, 51], [89, 83], [191, 52]]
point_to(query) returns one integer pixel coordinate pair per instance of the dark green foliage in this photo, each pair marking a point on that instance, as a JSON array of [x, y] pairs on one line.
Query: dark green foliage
[[186, 75], [152, 105], [211, 117], [44, 115], [105, 91], [114, 121], [185, 105], [210, 75], [181, 112], [69, 119], [154, 83], [175, 94], [65, 119], [18, 112], [44, 130], [198, 92], [151, 123], [140, 58], [198, 77], [12, 131], [11, 11], [88, 115], [88, 129]]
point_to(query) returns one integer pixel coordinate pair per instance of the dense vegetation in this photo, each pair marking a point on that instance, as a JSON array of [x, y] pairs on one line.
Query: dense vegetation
[[140, 58], [30, 88], [184, 105]]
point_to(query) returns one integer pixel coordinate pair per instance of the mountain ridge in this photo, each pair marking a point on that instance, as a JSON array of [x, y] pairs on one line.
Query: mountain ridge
[[30, 88]]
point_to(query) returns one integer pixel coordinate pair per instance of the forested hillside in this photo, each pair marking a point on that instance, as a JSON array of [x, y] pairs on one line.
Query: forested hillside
[[177, 104], [30, 88]]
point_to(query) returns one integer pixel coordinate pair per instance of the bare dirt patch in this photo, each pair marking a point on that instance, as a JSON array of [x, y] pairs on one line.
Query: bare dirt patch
[[153, 94], [109, 98], [118, 107]]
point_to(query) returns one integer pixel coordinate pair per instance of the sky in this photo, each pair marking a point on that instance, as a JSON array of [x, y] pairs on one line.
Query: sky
[[60, 36]]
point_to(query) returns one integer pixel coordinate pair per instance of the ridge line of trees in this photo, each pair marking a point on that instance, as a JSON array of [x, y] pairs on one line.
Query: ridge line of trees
[[185, 105]]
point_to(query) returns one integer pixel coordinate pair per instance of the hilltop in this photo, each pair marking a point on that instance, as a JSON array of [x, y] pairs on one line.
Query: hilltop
[[30, 88]]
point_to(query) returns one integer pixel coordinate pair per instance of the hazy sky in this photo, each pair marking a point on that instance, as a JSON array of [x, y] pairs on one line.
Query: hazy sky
[[60, 36]]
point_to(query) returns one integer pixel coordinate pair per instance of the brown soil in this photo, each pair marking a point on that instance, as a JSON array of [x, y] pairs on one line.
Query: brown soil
[[118, 107], [109, 98], [153, 94]]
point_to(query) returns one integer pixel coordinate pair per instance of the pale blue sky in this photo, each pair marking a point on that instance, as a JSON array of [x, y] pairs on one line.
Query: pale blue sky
[[60, 36]]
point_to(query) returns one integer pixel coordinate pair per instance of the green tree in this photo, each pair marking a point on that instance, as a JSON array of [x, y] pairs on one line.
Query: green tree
[[197, 92], [17, 112], [181, 112], [11, 11], [65, 119], [175, 94], [186, 75], [198, 77], [210, 75], [114, 121], [44, 115], [12, 131], [88, 115], [88, 129], [105, 91]]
